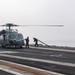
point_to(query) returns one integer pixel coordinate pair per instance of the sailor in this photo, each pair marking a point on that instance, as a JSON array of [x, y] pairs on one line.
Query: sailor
[[27, 42], [36, 42]]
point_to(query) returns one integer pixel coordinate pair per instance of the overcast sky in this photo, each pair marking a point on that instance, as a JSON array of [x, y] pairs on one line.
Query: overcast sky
[[41, 12]]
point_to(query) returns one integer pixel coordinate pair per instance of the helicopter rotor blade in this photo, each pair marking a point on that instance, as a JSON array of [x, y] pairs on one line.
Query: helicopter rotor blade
[[44, 25], [12, 25]]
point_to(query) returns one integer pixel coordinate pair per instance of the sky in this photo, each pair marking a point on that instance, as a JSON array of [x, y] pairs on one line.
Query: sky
[[40, 12]]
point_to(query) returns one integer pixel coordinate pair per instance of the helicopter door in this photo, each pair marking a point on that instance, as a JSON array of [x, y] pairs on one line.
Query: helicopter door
[[4, 37], [1, 39]]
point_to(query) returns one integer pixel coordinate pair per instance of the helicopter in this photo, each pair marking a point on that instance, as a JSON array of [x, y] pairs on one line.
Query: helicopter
[[11, 37]]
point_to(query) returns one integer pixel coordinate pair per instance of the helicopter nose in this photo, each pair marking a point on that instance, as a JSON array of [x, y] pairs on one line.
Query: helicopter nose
[[15, 41], [12, 42]]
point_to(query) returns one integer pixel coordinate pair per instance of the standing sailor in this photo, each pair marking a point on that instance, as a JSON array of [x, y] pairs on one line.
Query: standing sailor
[[27, 42]]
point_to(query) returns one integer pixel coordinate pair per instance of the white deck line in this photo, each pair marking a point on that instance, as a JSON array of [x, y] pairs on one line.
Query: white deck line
[[10, 71], [40, 60], [63, 50], [16, 73]]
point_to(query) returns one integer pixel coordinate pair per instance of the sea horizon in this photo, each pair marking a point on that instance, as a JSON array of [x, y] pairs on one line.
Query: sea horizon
[[69, 43]]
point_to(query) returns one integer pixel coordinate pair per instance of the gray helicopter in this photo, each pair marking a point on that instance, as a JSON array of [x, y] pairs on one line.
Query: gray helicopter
[[11, 37]]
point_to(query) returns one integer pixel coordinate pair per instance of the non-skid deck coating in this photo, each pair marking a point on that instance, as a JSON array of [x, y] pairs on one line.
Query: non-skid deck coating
[[57, 60]]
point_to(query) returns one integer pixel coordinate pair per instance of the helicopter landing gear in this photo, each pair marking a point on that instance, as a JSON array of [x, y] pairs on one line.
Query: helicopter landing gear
[[18, 46], [3, 45]]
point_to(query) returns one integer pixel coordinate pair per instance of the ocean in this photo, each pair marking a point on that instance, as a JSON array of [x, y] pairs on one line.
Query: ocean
[[69, 43]]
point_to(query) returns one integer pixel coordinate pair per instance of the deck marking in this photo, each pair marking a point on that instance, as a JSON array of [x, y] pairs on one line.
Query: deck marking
[[40, 60], [51, 72], [62, 50], [8, 52], [10, 71]]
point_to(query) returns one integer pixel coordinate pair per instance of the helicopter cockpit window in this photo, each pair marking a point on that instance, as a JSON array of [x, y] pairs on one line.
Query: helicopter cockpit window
[[12, 36], [20, 36], [16, 36]]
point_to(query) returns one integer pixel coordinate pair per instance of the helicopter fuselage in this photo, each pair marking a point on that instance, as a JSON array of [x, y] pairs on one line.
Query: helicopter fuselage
[[11, 38]]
